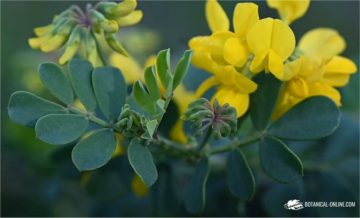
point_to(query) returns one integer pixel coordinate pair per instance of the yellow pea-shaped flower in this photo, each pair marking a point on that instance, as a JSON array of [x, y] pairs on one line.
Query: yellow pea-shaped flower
[[289, 10], [322, 43], [338, 71], [272, 42], [216, 16]]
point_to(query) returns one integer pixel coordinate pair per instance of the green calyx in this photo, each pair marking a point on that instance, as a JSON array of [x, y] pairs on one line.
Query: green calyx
[[220, 118]]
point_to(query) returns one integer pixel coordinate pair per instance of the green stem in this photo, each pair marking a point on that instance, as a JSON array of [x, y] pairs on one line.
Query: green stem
[[170, 144], [206, 139], [236, 143], [90, 116]]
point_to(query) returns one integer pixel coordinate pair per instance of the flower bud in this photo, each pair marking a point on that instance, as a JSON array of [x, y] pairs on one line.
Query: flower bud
[[92, 52], [221, 119], [100, 20], [123, 8], [72, 46], [130, 123], [115, 44], [35, 43], [55, 42], [130, 19], [43, 30]]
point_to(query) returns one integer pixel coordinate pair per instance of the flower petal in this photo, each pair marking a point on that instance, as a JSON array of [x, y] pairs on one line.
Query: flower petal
[[236, 52], [129, 68], [289, 10], [273, 37], [206, 85], [177, 132], [237, 100], [245, 16], [298, 87], [340, 65], [130, 19], [322, 42], [275, 65], [216, 16], [319, 88]]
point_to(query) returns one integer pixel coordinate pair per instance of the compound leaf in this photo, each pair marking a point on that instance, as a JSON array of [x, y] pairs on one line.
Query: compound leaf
[[142, 162], [25, 108], [110, 90], [263, 100], [240, 178], [278, 161], [58, 129], [313, 118], [196, 191], [56, 82], [95, 150], [80, 77], [182, 68]]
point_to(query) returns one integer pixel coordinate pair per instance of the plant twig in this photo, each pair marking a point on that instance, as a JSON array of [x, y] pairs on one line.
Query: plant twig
[[236, 143], [90, 116]]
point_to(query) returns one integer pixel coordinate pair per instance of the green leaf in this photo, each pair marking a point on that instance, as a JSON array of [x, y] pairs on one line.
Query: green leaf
[[151, 126], [313, 118], [196, 192], [25, 108], [110, 90], [150, 79], [163, 67], [143, 98], [240, 178], [182, 68], [263, 100], [58, 129], [95, 150], [278, 161], [142, 162], [56, 82], [80, 77]]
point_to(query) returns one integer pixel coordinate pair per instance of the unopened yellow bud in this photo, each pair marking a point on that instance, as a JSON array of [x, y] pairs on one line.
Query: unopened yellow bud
[[123, 8], [40, 31], [110, 26], [53, 43], [105, 7], [92, 52], [115, 44], [72, 46], [131, 19], [99, 20], [35, 43]]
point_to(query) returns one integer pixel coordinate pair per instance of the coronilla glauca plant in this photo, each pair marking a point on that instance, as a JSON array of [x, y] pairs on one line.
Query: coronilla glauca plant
[[287, 87]]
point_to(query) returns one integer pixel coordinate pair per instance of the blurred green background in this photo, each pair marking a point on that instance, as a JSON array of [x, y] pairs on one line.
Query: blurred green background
[[39, 179]]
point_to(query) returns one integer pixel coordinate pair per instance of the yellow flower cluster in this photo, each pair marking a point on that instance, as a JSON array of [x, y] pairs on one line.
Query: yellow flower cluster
[[81, 31], [256, 45]]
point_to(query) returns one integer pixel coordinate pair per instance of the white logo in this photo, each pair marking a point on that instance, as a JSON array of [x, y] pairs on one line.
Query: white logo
[[294, 205]]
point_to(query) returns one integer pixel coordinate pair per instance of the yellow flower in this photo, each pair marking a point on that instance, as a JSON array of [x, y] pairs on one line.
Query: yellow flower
[[78, 29], [232, 88], [272, 42], [338, 71], [236, 51], [317, 72], [138, 187], [216, 16], [322, 43], [289, 10], [130, 69]]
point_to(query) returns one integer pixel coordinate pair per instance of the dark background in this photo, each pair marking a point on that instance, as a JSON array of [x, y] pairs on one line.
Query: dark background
[[39, 179]]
